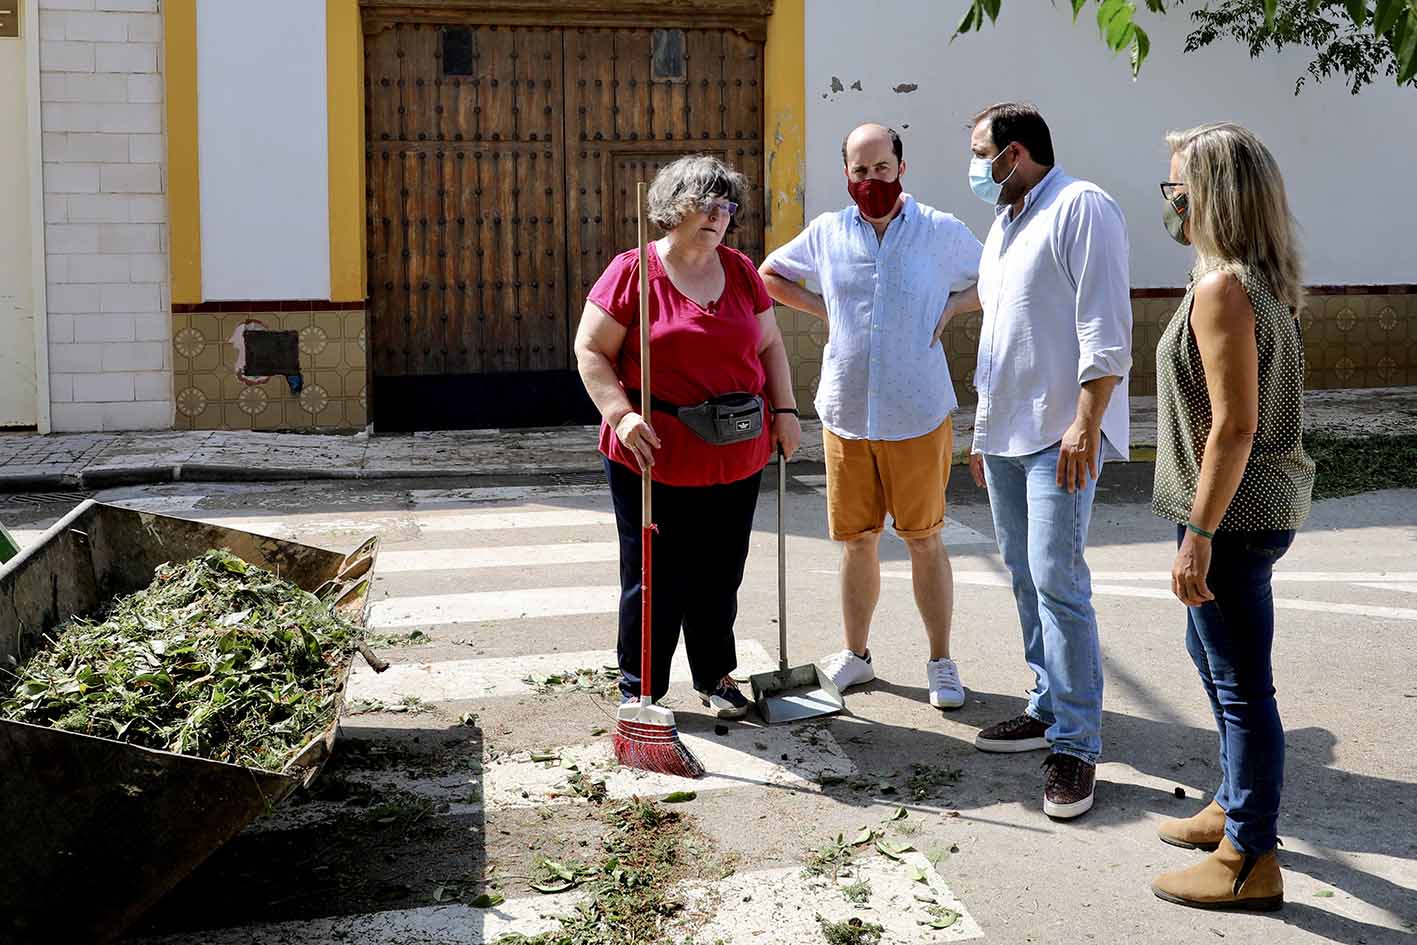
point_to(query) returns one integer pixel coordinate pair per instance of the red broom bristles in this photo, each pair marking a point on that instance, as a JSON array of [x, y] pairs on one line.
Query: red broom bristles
[[656, 748]]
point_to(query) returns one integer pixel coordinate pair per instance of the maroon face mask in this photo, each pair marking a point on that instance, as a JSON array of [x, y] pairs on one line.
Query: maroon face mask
[[876, 198]]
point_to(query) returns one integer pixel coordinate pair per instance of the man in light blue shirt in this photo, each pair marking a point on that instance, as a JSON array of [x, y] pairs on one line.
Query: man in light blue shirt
[[892, 273], [1054, 353]]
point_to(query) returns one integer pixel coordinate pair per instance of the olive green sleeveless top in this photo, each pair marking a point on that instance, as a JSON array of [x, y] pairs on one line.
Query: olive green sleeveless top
[[1278, 484]]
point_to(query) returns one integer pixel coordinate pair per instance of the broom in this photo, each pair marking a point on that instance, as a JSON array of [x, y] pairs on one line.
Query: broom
[[645, 734]]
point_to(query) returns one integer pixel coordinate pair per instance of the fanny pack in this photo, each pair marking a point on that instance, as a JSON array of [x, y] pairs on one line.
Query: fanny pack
[[721, 420]]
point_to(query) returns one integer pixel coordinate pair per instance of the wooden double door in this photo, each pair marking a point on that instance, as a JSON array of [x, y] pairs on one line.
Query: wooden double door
[[502, 162]]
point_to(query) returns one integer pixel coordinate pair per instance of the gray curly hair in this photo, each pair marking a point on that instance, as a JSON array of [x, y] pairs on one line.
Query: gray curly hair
[[679, 188]]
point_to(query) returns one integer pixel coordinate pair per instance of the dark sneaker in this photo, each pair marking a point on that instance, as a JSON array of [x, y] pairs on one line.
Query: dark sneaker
[[726, 702], [1024, 733], [1067, 792]]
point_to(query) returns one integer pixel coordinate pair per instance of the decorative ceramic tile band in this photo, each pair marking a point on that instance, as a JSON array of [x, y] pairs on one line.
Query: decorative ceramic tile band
[[214, 394]]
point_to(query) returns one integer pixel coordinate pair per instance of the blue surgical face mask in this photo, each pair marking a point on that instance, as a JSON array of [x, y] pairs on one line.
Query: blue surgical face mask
[[981, 179]]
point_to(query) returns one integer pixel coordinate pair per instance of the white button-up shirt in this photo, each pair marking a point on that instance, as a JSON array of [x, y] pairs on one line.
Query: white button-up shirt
[[882, 378], [1057, 313]]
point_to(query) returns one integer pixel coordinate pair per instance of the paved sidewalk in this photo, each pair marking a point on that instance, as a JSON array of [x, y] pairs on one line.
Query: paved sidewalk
[[96, 460]]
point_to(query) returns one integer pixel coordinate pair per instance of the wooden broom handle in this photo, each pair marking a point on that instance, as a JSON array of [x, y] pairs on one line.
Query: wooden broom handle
[[645, 477]]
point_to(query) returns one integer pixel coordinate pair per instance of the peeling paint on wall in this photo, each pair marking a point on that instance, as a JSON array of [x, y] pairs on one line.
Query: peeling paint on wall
[[905, 88], [837, 86], [786, 112], [856, 85], [787, 191]]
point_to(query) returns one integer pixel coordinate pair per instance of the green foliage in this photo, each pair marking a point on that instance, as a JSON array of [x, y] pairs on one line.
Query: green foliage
[[216, 658], [1349, 38], [851, 932], [1349, 466]]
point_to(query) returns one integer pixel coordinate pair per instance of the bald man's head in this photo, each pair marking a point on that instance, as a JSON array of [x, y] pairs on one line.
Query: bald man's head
[[870, 135]]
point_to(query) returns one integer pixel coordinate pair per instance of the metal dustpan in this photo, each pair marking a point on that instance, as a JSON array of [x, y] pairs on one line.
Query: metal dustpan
[[790, 694]]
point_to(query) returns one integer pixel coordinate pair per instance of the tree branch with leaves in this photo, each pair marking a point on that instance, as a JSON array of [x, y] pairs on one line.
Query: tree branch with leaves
[[1350, 38]]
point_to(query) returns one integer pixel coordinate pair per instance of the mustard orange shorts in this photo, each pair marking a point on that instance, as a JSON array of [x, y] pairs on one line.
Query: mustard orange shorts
[[866, 479]]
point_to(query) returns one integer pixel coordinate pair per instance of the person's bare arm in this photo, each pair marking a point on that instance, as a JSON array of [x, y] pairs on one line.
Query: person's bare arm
[[1223, 324], [791, 294], [966, 300], [598, 341]]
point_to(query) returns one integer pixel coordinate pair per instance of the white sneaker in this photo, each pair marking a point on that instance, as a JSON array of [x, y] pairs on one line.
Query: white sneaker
[[846, 669], [946, 691]]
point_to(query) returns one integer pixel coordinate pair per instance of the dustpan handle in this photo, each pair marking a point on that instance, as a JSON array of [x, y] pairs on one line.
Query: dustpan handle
[[781, 559]]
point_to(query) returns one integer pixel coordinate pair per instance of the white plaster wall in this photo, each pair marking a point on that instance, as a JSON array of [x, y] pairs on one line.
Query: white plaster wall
[[18, 405], [1347, 161], [105, 214], [262, 141]]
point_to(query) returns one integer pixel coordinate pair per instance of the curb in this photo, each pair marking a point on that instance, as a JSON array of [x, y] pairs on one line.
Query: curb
[[44, 482], [111, 477]]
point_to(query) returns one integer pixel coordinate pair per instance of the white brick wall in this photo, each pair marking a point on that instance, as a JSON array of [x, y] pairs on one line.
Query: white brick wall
[[105, 214]]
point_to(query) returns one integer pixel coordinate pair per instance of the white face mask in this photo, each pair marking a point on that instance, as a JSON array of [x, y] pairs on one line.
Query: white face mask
[[981, 178]]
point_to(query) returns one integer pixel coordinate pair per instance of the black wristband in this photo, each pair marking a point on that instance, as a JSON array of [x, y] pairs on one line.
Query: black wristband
[[777, 410]]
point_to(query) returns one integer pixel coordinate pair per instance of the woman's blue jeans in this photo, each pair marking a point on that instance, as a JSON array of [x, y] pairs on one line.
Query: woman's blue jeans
[[1230, 640]]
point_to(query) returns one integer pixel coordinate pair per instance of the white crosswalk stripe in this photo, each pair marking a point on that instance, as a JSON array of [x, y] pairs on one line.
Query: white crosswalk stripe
[[450, 520], [773, 757], [496, 678], [450, 498], [1408, 588], [762, 907], [486, 606], [497, 556], [452, 924]]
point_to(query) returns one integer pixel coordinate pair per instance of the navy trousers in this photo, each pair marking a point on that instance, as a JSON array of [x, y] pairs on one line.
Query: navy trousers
[[699, 550]]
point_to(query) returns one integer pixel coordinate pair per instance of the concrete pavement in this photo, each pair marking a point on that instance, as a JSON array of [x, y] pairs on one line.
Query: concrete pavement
[[469, 567]]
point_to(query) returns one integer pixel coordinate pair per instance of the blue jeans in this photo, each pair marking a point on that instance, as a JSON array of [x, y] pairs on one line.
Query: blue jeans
[[1042, 531], [1229, 640]]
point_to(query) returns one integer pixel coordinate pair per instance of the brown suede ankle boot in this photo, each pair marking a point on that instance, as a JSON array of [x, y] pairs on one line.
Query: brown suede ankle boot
[[1201, 831], [1227, 879]]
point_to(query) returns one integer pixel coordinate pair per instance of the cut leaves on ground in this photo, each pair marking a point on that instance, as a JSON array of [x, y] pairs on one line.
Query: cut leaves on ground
[[604, 681], [853, 931]]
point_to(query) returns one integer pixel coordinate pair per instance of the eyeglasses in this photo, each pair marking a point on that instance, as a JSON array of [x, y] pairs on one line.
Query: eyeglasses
[[710, 205], [1168, 188]]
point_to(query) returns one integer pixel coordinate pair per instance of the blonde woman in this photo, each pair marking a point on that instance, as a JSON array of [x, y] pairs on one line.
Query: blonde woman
[[1232, 473]]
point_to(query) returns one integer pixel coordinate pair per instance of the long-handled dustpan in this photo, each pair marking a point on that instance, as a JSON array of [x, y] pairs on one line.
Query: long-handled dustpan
[[799, 692]]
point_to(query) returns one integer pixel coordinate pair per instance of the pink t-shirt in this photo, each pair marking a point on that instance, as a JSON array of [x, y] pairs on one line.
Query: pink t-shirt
[[696, 353]]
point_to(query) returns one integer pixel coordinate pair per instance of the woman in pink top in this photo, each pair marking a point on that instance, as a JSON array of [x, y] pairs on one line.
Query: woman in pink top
[[712, 333]]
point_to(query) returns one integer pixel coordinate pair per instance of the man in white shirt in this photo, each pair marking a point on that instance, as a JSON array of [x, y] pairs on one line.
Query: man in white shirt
[[1054, 353], [892, 273]]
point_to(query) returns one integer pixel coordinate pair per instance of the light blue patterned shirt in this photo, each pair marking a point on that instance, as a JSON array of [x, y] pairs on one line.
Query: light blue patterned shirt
[[882, 378], [1057, 314]]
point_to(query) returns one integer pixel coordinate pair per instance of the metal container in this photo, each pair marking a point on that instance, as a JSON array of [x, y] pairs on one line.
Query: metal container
[[791, 693], [93, 831]]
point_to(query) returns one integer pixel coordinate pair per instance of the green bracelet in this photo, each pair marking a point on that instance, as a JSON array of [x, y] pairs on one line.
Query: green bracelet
[[1191, 526]]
